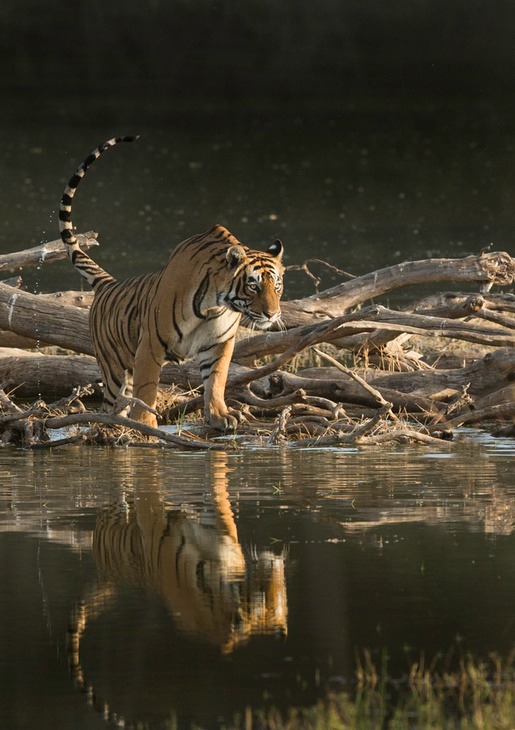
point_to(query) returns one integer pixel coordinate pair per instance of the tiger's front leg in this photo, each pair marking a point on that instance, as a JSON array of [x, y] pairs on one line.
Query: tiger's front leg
[[147, 371], [214, 366]]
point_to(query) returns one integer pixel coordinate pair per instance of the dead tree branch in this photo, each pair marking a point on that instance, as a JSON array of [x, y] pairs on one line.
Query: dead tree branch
[[42, 319], [312, 404], [486, 269], [44, 253]]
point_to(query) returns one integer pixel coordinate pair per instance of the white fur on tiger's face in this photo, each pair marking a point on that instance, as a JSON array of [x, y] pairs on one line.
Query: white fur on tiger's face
[[257, 291], [191, 307]]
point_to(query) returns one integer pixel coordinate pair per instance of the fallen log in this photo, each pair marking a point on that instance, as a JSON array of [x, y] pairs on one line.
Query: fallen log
[[342, 331], [429, 392], [73, 298], [317, 398], [38, 319], [484, 376], [44, 320], [44, 253], [12, 340], [447, 305], [29, 374], [486, 269]]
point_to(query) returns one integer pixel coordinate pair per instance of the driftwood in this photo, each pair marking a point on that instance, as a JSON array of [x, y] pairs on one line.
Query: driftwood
[[44, 320], [37, 256], [29, 373], [485, 269], [44, 253], [364, 366]]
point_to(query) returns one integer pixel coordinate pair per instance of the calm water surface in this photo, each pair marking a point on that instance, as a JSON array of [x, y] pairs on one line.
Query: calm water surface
[[361, 188], [141, 585]]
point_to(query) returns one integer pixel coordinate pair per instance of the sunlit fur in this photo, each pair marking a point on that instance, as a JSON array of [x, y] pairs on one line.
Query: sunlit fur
[[192, 306]]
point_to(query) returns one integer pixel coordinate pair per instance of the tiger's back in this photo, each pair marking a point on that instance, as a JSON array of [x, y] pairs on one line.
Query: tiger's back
[[193, 306]]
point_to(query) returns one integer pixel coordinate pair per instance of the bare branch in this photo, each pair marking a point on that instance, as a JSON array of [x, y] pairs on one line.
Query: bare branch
[[45, 253], [369, 389], [190, 441], [491, 268], [316, 279]]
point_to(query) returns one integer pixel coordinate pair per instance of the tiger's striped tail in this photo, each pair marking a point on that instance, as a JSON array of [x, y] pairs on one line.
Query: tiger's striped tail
[[82, 262]]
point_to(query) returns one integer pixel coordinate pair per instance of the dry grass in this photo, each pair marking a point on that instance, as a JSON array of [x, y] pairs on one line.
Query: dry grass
[[477, 696]]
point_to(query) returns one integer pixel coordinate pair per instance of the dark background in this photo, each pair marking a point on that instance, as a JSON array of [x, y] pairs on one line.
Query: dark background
[[370, 131], [257, 52]]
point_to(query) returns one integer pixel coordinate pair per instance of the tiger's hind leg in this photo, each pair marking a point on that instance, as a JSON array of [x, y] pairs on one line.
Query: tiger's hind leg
[[117, 383], [114, 363], [122, 404]]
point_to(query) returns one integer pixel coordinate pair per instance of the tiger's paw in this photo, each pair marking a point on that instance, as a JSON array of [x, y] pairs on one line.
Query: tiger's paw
[[225, 421], [144, 416]]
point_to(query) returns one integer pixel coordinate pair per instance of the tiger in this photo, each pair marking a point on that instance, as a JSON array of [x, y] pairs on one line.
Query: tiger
[[198, 569], [191, 307], [187, 558]]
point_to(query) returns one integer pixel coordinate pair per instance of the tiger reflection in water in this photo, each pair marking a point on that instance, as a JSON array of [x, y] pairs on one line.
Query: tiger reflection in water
[[196, 566]]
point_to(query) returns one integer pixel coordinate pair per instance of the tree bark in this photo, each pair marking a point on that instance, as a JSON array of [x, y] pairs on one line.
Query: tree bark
[[486, 269], [45, 253], [44, 320], [30, 374], [61, 320]]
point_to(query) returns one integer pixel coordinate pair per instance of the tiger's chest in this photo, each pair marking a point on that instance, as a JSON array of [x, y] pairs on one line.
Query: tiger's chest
[[191, 335]]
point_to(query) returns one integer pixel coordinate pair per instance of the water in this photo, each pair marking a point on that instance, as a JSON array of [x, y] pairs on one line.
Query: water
[[148, 585], [358, 187], [142, 585]]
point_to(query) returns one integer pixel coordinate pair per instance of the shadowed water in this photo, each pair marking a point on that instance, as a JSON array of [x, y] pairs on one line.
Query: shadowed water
[[146, 585], [358, 188]]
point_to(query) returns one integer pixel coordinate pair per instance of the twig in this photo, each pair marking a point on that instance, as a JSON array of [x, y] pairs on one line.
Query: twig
[[296, 396], [81, 391], [497, 412], [7, 404], [35, 411], [358, 379], [124, 402], [317, 279], [361, 431], [278, 435], [109, 419]]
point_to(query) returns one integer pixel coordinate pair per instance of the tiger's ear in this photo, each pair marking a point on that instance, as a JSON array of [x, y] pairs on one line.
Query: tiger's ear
[[276, 249], [235, 255]]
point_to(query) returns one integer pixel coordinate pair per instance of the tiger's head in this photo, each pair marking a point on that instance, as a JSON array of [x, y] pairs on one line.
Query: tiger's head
[[257, 284]]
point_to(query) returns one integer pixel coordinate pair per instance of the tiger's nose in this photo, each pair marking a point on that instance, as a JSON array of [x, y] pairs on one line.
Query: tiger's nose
[[272, 314]]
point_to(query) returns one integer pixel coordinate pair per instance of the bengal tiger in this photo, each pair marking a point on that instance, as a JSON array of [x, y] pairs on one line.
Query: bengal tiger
[[193, 306], [189, 558]]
